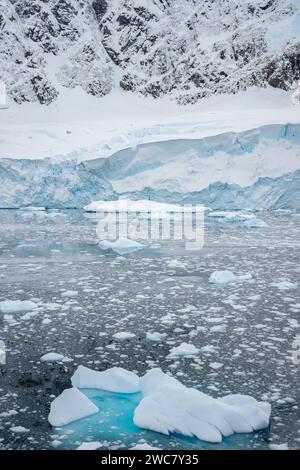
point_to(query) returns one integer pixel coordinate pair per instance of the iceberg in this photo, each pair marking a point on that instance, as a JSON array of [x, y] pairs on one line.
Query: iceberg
[[70, 406], [226, 277], [184, 349], [116, 380], [17, 306], [128, 205], [255, 223], [230, 216], [164, 405], [121, 246], [169, 407]]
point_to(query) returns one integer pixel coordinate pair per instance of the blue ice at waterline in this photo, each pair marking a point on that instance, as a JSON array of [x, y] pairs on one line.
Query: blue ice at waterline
[[114, 427]]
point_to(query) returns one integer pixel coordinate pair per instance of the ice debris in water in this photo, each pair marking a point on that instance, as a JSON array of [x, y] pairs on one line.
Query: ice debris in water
[[17, 306], [122, 335], [255, 223], [121, 246], [184, 349], [167, 406], [155, 336], [69, 406], [226, 277], [116, 380], [230, 216], [54, 357], [90, 445], [127, 205]]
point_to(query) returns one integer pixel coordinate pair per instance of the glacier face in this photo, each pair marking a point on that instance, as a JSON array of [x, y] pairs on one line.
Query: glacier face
[[187, 49], [257, 169]]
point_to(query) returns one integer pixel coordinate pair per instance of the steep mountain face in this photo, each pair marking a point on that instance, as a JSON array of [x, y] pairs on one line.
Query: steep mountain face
[[187, 49]]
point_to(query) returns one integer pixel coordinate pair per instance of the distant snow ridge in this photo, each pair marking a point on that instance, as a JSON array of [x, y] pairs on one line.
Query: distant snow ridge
[[184, 48], [167, 406]]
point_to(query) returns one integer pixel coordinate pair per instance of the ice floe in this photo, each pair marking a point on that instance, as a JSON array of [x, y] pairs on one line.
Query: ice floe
[[17, 306], [155, 336], [70, 406], [167, 406], [184, 349], [231, 216], [226, 277], [171, 407], [90, 445], [116, 380], [255, 223], [54, 357], [144, 205], [122, 335], [121, 246]]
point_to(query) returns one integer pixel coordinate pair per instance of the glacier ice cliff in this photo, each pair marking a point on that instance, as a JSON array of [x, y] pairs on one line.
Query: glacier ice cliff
[[256, 169]]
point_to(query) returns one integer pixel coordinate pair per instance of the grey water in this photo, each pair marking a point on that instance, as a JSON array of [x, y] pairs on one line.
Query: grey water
[[249, 327]]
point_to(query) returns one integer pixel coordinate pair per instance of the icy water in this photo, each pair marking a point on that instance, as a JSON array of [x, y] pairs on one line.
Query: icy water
[[247, 328]]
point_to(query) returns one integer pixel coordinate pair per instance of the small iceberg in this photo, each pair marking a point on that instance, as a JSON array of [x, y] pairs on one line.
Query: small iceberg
[[123, 335], [155, 336], [184, 349], [255, 223], [54, 357], [227, 277], [164, 405], [121, 246], [231, 216], [17, 306], [170, 407], [70, 406], [144, 205]]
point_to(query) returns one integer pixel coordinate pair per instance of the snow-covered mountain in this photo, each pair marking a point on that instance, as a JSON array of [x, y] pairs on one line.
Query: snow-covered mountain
[[188, 49]]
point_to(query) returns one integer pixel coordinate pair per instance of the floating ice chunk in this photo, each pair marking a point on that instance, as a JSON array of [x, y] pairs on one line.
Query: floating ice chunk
[[54, 357], [90, 445], [169, 407], [144, 205], [69, 406], [124, 335], [185, 349], [69, 293], [116, 380], [285, 285], [143, 446], [19, 429], [175, 263], [283, 446], [231, 216], [17, 306], [226, 277], [255, 223], [155, 336], [121, 246]]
